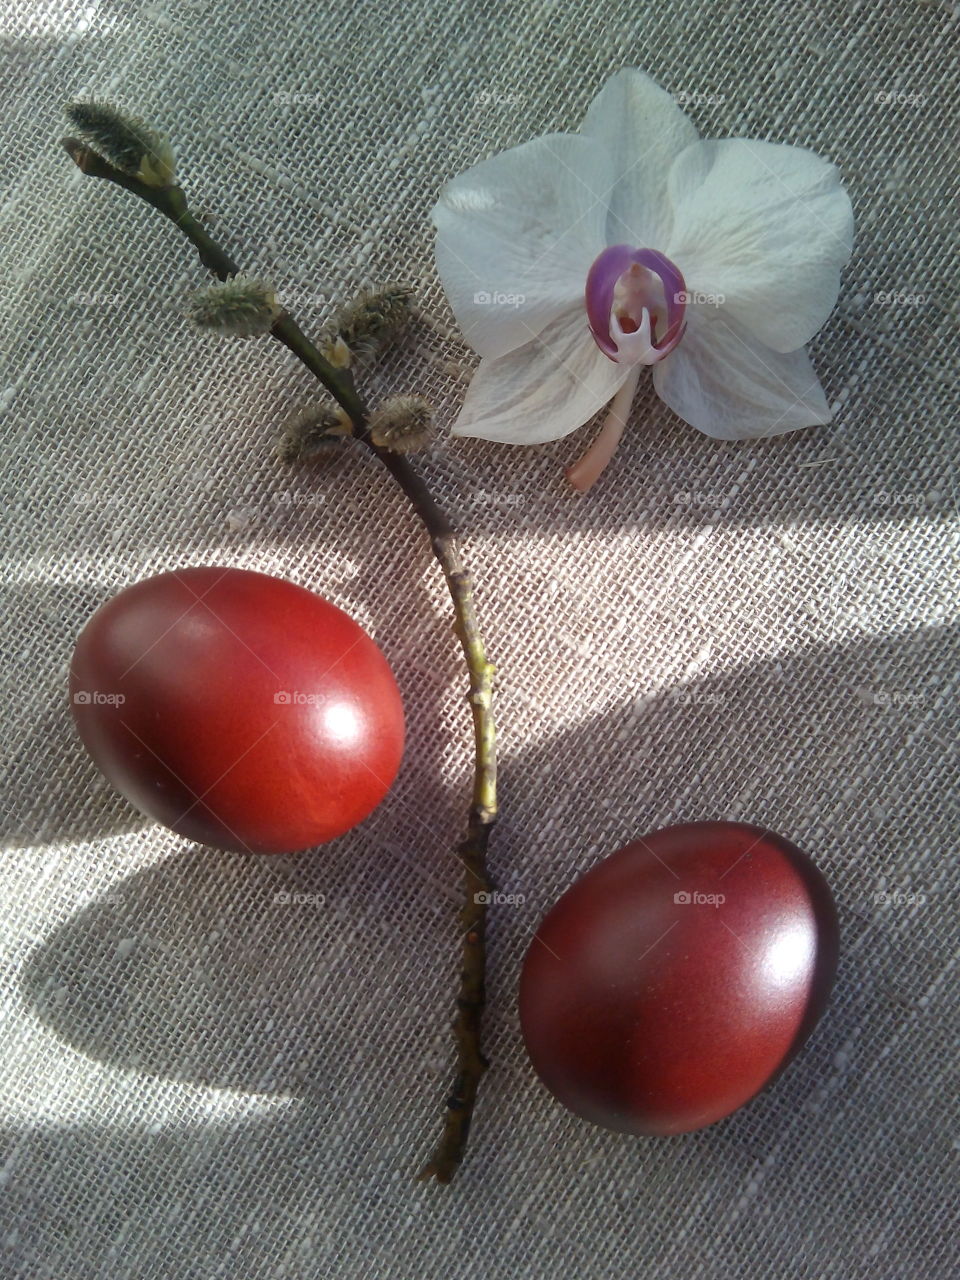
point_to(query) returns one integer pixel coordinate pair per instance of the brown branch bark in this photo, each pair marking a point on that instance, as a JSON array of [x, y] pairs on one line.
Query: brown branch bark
[[471, 1064]]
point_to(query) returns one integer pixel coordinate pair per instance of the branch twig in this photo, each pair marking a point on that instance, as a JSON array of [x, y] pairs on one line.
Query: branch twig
[[471, 1064]]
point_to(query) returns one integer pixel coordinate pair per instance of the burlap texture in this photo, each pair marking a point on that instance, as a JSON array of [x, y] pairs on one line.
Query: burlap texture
[[201, 1080]]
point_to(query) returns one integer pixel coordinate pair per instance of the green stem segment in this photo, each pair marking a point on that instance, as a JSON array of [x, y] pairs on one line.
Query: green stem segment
[[471, 1064]]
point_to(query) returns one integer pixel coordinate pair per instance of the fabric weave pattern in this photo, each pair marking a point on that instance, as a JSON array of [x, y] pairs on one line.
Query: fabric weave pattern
[[223, 1066]]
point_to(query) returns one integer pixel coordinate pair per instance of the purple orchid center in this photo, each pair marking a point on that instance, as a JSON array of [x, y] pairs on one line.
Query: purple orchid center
[[635, 303]]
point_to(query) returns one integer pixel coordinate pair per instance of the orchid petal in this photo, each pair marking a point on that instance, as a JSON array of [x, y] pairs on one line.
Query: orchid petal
[[726, 383], [643, 130], [543, 390], [766, 229], [516, 236]]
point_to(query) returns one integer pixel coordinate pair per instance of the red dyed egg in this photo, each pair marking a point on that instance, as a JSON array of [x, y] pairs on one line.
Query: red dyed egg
[[239, 709], [677, 978]]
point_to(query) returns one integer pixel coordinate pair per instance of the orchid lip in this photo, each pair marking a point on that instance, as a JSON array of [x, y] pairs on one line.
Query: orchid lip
[[643, 288]]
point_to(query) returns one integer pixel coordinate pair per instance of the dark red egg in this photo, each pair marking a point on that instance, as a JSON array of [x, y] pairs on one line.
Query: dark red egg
[[241, 710], [677, 978]]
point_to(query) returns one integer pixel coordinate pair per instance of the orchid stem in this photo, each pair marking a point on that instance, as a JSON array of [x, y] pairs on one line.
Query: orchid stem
[[472, 852], [588, 470]]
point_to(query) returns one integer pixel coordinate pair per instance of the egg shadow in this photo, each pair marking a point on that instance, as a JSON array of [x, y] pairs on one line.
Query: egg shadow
[[851, 759], [254, 943], [241, 986], [117, 984], [205, 970]]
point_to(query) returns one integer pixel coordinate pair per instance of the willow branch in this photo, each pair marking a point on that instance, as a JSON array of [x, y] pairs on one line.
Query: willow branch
[[471, 1064]]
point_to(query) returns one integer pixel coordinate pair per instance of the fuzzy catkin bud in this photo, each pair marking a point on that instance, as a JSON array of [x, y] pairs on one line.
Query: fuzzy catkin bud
[[402, 423], [241, 307], [312, 431], [372, 319], [125, 141]]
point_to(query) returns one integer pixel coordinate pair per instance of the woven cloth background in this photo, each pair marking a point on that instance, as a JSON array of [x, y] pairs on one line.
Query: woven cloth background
[[200, 1080]]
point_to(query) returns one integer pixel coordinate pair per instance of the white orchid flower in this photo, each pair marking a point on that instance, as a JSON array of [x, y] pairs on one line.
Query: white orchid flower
[[574, 260]]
